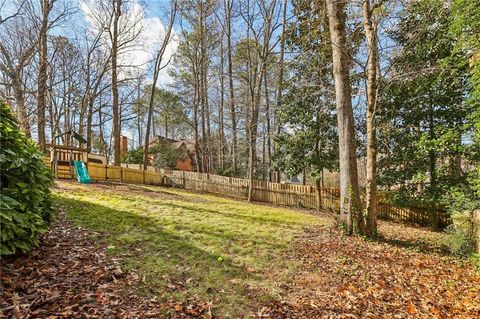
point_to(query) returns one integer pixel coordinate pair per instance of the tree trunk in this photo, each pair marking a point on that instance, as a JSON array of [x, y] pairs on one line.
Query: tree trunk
[[434, 219], [259, 69], [268, 133], [264, 154], [156, 72], [89, 105], [372, 85], [45, 6], [115, 106], [280, 81], [221, 131], [149, 118], [318, 187], [206, 129], [253, 129], [350, 206], [196, 103], [196, 106], [228, 12], [19, 96]]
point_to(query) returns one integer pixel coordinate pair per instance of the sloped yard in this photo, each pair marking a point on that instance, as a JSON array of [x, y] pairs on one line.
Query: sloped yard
[[128, 251]]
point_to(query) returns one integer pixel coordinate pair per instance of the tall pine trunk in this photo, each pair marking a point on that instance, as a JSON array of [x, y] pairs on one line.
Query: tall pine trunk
[[372, 85], [228, 12], [350, 206], [115, 105], [45, 6], [268, 146], [221, 131], [280, 83]]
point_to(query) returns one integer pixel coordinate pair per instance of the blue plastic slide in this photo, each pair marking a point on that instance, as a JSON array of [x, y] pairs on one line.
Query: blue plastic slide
[[82, 173]]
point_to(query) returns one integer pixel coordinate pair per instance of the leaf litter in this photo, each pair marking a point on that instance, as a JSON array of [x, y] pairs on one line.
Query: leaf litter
[[70, 276], [405, 275]]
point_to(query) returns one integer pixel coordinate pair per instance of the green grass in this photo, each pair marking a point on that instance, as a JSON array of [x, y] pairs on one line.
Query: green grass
[[224, 251]]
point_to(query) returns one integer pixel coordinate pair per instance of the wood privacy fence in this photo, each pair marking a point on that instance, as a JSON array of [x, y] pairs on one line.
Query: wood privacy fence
[[275, 193], [296, 195]]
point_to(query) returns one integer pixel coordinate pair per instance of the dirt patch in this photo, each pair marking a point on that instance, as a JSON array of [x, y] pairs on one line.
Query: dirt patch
[[71, 276]]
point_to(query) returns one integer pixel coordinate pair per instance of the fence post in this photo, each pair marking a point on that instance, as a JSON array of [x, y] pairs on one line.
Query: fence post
[[121, 174], [183, 179], [106, 172]]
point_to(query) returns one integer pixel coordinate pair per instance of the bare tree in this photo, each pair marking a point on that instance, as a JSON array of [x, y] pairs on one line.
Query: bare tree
[[45, 17], [156, 70], [350, 206], [228, 4], [17, 11], [117, 27], [97, 64], [258, 53], [114, 36], [17, 47], [280, 80], [221, 130]]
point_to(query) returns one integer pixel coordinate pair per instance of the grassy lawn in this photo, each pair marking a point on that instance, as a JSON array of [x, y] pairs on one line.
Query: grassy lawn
[[189, 245]]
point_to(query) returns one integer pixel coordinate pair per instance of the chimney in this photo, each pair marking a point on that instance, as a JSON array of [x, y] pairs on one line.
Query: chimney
[[123, 145]]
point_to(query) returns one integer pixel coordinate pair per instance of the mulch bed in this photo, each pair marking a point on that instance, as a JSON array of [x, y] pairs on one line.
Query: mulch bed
[[354, 278], [70, 276]]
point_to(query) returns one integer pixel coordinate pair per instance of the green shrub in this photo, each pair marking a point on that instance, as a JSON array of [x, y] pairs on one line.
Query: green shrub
[[462, 234], [462, 202], [166, 155], [475, 260], [133, 156], [25, 203]]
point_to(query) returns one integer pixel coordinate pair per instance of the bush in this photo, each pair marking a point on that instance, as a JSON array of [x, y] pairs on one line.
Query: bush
[[133, 156], [25, 203], [462, 234], [462, 203], [166, 156]]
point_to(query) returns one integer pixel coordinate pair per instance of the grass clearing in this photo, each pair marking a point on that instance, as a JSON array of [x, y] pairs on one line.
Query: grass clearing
[[225, 251]]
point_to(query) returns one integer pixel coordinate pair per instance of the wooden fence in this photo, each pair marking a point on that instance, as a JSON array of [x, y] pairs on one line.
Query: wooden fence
[[281, 194], [295, 195]]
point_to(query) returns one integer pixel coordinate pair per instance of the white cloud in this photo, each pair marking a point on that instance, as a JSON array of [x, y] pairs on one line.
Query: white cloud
[[154, 31], [141, 53]]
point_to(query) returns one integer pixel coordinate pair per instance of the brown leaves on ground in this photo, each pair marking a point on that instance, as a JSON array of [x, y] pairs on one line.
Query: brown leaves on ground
[[355, 278], [404, 275], [69, 276]]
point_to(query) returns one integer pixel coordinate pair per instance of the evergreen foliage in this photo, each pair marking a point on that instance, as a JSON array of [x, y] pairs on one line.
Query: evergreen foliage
[[309, 140], [25, 205]]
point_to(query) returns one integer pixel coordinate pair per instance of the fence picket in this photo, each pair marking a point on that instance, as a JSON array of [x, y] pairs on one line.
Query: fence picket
[[275, 193]]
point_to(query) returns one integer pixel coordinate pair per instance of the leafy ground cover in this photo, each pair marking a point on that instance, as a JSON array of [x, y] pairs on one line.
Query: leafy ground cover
[[126, 251]]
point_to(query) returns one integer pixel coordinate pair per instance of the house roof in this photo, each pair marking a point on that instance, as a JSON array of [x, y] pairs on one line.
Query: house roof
[[189, 144]]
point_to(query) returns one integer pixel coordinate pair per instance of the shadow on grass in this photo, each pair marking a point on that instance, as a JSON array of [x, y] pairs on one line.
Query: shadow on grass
[[140, 188], [276, 222], [173, 264], [238, 216]]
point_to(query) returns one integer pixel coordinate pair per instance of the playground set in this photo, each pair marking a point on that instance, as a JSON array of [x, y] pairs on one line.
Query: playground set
[[69, 156]]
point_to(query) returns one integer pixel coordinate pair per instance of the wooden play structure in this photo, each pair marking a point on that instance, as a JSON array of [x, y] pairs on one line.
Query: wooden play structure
[[66, 148]]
